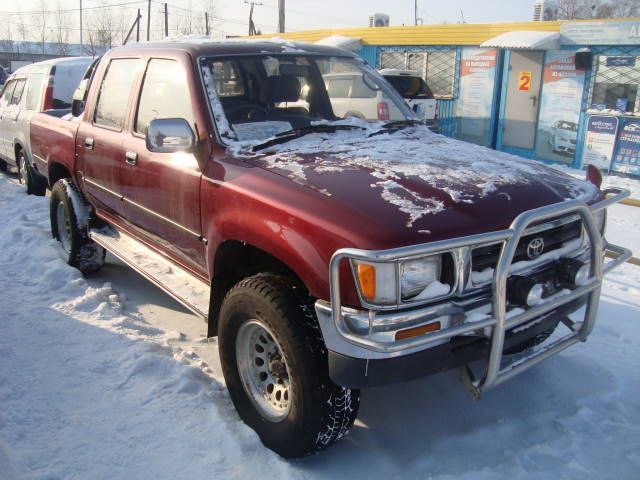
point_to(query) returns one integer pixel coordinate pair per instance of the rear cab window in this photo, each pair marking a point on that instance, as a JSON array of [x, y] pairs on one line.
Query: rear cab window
[[66, 77], [113, 96]]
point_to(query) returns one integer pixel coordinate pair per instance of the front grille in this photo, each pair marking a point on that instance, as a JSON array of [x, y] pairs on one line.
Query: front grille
[[554, 238]]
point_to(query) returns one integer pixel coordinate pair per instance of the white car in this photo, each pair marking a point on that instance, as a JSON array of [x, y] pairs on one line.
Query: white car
[[354, 94], [415, 92], [563, 136]]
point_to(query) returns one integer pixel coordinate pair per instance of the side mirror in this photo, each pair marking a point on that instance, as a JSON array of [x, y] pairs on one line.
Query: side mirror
[[167, 135]]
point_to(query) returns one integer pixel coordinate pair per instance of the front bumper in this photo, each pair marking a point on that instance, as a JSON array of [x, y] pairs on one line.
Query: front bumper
[[358, 359]]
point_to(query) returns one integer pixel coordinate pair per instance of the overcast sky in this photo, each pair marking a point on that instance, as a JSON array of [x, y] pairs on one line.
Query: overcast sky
[[231, 15]]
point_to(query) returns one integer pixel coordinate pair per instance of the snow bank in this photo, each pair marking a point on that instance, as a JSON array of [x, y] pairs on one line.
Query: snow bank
[[89, 390], [99, 379]]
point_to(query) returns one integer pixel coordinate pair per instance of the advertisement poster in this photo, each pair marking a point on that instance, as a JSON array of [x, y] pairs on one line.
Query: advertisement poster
[[473, 109], [627, 156], [599, 141], [559, 112]]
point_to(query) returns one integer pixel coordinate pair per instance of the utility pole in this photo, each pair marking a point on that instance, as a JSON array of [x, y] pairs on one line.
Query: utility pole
[[166, 21], [281, 16], [252, 26], [138, 26], [148, 20], [206, 23], [415, 12], [81, 27]]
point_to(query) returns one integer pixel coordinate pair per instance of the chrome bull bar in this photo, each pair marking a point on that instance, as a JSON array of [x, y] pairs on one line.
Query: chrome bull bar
[[338, 335]]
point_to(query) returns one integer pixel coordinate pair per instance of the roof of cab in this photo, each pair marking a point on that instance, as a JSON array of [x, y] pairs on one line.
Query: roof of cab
[[204, 47]]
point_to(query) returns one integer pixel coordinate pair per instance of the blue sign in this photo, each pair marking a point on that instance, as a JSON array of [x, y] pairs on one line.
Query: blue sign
[[621, 61], [627, 156]]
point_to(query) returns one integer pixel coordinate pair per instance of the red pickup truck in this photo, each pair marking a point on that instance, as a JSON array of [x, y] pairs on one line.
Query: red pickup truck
[[327, 254]]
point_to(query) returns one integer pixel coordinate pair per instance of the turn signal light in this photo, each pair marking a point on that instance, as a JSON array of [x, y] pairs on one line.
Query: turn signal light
[[367, 280], [415, 331]]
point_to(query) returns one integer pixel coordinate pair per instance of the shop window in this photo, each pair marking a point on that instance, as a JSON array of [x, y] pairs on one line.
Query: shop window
[[436, 67], [616, 84]]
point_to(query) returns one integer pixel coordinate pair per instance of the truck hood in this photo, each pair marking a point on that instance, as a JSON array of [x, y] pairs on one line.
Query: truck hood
[[420, 182]]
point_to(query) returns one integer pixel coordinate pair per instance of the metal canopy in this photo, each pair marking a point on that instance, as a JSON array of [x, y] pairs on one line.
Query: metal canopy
[[526, 40]]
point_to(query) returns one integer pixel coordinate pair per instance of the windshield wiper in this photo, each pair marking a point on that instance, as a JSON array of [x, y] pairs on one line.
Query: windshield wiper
[[287, 135], [396, 125]]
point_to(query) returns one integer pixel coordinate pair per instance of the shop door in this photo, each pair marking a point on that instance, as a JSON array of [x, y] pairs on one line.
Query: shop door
[[523, 95]]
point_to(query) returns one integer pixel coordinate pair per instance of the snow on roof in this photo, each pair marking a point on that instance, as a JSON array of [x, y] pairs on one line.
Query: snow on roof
[[525, 39], [341, 41]]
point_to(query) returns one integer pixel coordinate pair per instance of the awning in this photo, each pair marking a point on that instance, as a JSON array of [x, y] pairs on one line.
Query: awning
[[341, 41], [526, 39]]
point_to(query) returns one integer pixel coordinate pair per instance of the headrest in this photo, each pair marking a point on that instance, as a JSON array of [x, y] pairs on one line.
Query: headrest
[[280, 88]]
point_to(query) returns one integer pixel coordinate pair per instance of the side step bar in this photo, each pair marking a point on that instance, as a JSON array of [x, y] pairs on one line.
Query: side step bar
[[185, 288]]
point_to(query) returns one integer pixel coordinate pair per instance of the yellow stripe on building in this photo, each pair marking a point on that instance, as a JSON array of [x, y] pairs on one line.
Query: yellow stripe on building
[[455, 34]]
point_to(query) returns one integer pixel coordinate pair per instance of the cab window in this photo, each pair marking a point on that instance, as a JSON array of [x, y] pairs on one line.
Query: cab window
[[34, 91], [7, 92], [113, 97], [165, 94], [17, 92]]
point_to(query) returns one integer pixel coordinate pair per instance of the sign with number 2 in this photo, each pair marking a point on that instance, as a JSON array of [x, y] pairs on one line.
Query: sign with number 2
[[524, 81]]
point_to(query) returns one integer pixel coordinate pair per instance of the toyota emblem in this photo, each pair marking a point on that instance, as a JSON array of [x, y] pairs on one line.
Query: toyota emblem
[[535, 248]]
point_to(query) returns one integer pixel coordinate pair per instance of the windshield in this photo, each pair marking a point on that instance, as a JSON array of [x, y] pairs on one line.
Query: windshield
[[257, 97]]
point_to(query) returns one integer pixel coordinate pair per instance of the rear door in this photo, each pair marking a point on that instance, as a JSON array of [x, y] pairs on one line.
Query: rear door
[[99, 139], [162, 190]]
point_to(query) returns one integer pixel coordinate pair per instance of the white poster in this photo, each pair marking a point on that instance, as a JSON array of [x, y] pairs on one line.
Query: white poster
[[600, 141], [475, 102]]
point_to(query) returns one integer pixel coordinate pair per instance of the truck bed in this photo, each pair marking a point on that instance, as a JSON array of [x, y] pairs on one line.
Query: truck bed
[[52, 138]]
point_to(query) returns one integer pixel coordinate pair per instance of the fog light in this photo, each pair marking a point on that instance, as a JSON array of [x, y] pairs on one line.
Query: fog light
[[574, 272], [534, 297], [524, 291]]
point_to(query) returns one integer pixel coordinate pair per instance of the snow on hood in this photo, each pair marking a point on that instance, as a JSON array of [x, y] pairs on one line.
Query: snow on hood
[[398, 162]]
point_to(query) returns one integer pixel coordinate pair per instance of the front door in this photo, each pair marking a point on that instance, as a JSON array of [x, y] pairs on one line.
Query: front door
[[523, 95], [5, 104], [10, 117], [162, 190], [99, 141]]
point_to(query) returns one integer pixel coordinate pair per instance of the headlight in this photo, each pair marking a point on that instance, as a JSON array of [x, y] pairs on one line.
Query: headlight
[[416, 275], [420, 279]]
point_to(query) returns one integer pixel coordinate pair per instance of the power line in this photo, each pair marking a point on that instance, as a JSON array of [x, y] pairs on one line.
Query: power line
[[97, 7]]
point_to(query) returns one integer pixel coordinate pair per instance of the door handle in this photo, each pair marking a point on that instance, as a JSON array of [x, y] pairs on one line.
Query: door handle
[[88, 142], [131, 158]]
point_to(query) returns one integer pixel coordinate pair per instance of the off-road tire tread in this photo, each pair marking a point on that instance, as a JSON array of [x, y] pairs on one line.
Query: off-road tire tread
[[337, 405], [86, 255]]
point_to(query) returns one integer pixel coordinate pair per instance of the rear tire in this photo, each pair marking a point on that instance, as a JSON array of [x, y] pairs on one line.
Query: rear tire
[[275, 365], [30, 180], [70, 213]]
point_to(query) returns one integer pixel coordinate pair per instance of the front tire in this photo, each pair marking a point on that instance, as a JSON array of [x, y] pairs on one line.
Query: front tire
[[32, 183], [275, 365], [69, 213]]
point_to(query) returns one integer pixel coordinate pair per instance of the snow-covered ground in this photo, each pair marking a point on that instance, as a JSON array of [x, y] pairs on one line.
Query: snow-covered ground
[[108, 378]]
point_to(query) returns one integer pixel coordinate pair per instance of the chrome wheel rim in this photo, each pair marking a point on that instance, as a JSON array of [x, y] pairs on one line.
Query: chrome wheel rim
[[22, 170], [64, 227], [263, 370]]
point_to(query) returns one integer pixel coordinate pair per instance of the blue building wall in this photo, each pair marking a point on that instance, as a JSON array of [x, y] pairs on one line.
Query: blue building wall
[[447, 107]]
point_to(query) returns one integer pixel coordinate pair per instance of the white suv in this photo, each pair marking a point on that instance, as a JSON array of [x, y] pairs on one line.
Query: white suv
[[415, 92]]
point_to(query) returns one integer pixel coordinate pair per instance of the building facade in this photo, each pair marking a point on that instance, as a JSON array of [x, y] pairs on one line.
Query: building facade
[[562, 92]]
